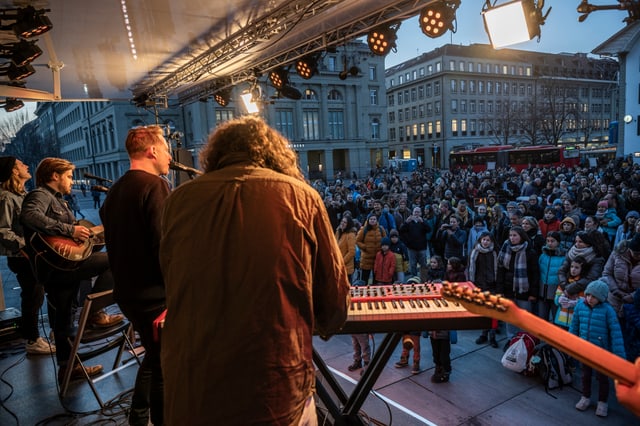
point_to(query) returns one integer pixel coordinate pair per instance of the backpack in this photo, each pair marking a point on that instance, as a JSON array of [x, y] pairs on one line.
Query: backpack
[[518, 355], [552, 367]]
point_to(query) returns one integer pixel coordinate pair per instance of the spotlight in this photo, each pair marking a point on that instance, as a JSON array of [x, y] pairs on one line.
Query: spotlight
[[17, 73], [438, 17], [382, 39], [307, 66], [279, 78], [20, 53], [12, 104], [223, 97], [513, 22], [31, 22], [250, 99]]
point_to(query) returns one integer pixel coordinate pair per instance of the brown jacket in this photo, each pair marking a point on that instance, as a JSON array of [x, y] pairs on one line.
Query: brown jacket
[[347, 244], [251, 267], [369, 244]]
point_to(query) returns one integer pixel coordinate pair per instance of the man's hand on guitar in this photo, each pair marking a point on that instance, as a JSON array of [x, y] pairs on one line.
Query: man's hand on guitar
[[81, 233]]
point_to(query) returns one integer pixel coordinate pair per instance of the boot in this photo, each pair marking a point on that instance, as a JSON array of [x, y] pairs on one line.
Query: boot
[[440, 376], [404, 362], [492, 339], [357, 364]]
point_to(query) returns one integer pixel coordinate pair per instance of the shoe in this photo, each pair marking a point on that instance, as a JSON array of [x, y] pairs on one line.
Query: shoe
[[493, 343], [402, 363], [601, 410], [481, 340], [583, 404], [355, 366], [440, 376], [40, 347], [101, 319], [77, 373], [407, 343], [416, 367]]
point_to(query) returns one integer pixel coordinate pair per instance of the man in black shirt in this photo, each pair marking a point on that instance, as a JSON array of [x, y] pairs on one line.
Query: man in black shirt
[[131, 216]]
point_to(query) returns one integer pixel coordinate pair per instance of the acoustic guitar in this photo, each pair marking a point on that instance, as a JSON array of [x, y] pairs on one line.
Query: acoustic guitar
[[494, 306], [66, 253]]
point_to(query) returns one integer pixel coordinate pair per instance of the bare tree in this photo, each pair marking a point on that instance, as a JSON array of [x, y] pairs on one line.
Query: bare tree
[[11, 123], [30, 145], [556, 107]]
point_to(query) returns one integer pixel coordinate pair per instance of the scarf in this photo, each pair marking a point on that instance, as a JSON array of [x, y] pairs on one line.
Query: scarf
[[586, 252], [520, 277], [474, 257]]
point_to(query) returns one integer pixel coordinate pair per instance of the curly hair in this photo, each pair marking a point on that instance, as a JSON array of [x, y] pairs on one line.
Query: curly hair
[[249, 135]]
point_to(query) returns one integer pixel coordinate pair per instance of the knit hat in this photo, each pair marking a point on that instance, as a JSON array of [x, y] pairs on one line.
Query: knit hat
[[633, 213], [385, 242], [598, 289], [603, 203], [6, 167], [586, 238], [394, 232], [568, 220]]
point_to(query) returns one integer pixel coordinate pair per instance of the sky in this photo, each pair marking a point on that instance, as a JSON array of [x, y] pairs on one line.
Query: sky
[[561, 33]]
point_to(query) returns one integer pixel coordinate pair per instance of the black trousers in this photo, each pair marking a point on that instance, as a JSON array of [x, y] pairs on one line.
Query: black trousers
[[31, 295]]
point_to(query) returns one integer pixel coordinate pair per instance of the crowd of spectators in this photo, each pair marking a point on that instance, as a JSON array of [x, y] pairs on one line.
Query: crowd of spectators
[[591, 212]]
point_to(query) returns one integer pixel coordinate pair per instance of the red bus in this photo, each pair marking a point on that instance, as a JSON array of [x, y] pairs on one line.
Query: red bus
[[500, 156]]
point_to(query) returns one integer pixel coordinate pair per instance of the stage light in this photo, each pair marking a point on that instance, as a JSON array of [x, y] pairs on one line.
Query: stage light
[[251, 98], [31, 22], [12, 104], [20, 53], [513, 22], [223, 97], [17, 73], [382, 39], [438, 17], [307, 66], [279, 78]]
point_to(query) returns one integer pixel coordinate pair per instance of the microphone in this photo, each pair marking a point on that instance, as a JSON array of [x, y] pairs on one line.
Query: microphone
[[99, 188], [174, 165], [98, 178]]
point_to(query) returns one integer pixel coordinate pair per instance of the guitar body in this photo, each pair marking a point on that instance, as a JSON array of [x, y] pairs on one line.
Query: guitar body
[[66, 253]]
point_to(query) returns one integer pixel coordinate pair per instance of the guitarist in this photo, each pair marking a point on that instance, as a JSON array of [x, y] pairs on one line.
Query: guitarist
[[45, 211]]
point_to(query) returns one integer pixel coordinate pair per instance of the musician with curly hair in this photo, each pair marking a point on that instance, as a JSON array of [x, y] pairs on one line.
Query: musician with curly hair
[[252, 269]]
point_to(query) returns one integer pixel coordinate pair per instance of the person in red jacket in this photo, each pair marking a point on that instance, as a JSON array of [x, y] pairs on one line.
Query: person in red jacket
[[385, 264]]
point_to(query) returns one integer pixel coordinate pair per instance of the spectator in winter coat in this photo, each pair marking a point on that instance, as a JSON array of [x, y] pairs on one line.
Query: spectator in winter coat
[[368, 241], [608, 218], [401, 253], [627, 229], [549, 222], [568, 231], [413, 233], [587, 245], [482, 272], [346, 236], [550, 261], [454, 238], [622, 273], [384, 267], [631, 327], [595, 321]]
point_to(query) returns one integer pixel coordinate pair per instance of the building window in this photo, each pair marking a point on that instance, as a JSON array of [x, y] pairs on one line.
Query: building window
[[414, 113], [480, 87], [392, 116], [399, 98], [463, 86], [392, 134], [489, 87], [452, 65], [421, 92], [415, 131], [498, 88], [421, 72], [332, 63], [472, 127], [454, 86], [223, 115], [335, 95], [391, 100], [454, 106], [490, 107], [422, 130], [463, 106], [470, 66], [414, 94], [437, 107], [436, 88], [310, 95], [373, 73], [375, 128], [406, 114], [429, 69], [428, 90], [481, 107], [463, 127], [421, 110], [438, 66], [336, 125], [284, 123], [472, 107], [472, 87], [406, 96], [310, 125], [438, 128], [454, 127], [521, 89], [373, 96]]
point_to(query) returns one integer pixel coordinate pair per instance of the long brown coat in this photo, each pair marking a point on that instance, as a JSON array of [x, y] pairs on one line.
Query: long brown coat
[[369, 244]]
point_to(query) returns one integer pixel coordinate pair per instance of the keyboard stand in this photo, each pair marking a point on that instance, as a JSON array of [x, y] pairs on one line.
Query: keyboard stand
[[348, 414]]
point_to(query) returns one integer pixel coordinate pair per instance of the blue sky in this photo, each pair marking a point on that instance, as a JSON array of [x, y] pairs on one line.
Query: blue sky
[[561, 33]]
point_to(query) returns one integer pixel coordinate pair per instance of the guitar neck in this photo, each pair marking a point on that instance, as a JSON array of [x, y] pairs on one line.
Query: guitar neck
[[490, 305], [594, 356]]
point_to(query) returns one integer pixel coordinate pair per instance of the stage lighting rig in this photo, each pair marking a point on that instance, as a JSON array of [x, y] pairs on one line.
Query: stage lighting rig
[[382, 39], [307, 66], [632, 7], [12, 104], [438, 17], [29, 22], [222, 97], [17, 73], [513, 22], [20, 53]]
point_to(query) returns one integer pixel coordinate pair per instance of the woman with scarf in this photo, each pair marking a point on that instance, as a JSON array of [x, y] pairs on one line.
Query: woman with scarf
[[518, 275], [588, 245], [482, 272]]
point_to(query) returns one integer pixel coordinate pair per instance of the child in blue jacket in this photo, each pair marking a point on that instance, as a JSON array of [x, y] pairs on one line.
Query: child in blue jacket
[[595, 320]]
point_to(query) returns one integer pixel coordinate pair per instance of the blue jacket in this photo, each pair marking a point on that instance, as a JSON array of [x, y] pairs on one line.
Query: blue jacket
[[550, 262], [598, 325]]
